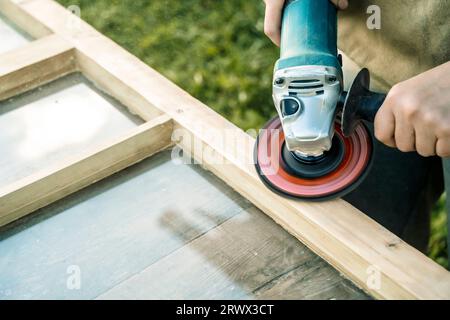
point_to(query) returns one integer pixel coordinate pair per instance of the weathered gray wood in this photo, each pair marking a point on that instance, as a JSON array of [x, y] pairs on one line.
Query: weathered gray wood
[[112, 230], [51, 123], [237, 260], [230, 261], [159, 230], [314, 279], [343, 290], [10, 36]]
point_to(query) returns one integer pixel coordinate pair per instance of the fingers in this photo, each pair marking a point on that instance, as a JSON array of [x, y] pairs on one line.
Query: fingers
[[426, 141], [385, 125], [426, 128], [272, 20], [404, 131], [341, 4], [443, 134], [443, 148], [412, 122], [394, 121]]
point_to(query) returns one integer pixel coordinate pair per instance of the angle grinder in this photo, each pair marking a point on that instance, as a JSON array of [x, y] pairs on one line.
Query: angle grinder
[[318, 146]]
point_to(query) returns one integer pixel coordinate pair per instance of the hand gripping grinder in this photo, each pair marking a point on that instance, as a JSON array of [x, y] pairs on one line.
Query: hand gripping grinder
[[318, 146]]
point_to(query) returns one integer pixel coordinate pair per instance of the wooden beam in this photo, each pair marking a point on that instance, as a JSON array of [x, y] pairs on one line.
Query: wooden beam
[[346, 238], [338, 232], [35, 64], [50, 185], [23, 20], [104, 80], [107, 82]]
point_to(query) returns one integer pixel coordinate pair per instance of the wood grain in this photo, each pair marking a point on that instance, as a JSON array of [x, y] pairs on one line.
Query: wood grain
[[43, 188], [35, 64], [46, 125], [238, 259]]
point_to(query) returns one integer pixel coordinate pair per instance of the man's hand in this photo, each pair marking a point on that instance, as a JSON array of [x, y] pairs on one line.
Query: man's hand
[[272, 20], [416, 114]]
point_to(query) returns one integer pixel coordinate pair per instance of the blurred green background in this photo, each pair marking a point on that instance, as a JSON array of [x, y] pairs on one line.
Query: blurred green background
[[215, 50]]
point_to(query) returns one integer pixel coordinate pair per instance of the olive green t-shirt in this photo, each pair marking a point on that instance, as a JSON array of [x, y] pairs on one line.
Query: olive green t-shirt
[[414, 37]]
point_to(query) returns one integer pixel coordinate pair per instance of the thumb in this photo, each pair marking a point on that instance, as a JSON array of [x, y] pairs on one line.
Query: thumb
[[341, 4], [272, 20]]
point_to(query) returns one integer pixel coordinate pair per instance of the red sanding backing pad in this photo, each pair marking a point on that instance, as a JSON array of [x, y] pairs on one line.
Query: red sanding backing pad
[[344, 178]]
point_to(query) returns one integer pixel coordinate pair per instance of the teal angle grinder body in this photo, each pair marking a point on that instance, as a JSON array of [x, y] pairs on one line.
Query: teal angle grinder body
[[318, 146]]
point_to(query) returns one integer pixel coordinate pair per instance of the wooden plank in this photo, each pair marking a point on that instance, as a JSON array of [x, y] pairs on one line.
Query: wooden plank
[[63, 118], [314, 280], [346, 238], [113, 86], [34, 64], [102, 79], [43, 188], [243, 258], [113, 229], [341, 234]]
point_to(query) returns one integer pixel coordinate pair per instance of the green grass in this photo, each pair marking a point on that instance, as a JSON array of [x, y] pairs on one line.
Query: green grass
[[215, 50], [438, 244]]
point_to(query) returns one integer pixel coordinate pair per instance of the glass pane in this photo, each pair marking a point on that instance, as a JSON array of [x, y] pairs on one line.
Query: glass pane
[[53, 122]]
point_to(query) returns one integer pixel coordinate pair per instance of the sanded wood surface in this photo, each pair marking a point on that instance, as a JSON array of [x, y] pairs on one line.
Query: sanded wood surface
[[138, 234]]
